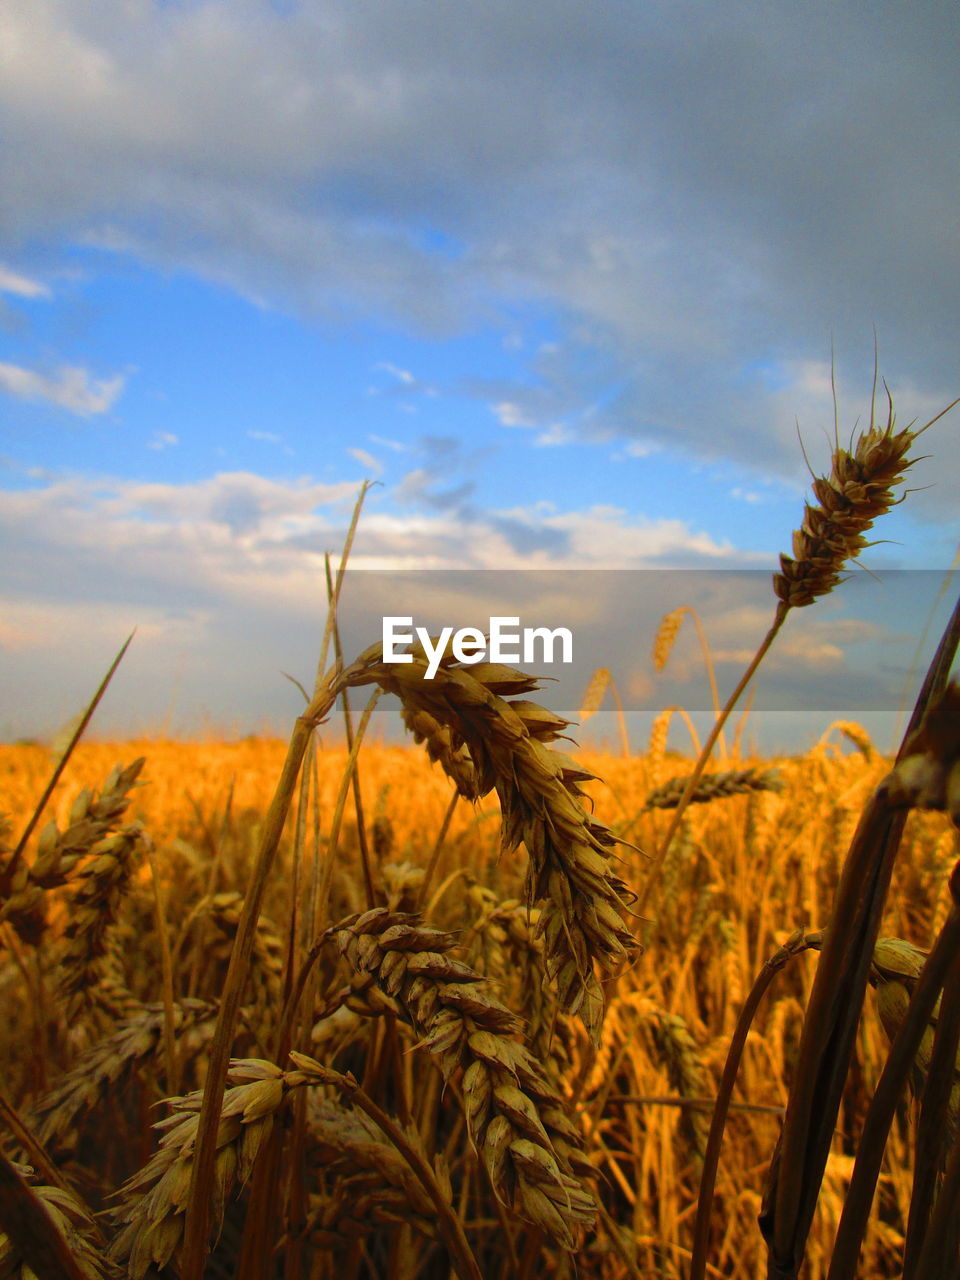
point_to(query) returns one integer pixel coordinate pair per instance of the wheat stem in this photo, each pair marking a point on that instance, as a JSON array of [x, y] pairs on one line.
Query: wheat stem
[[658, 860]]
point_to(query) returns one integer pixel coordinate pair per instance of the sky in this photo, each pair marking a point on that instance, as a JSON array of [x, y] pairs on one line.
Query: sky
[[566, 280]]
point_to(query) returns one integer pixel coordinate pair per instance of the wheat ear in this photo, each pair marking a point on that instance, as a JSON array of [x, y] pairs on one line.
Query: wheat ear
[[100, 1070], [92, 818], [93, 911], [530, 1147], [61, 1234], [714, 786], [570, 873]]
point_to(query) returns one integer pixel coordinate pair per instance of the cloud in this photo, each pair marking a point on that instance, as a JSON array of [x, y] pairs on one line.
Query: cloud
[[677, 199], [511, 415], [396, 446], [223, 578], [367, 460], [402, 375], [71, 388], [21, 286], [163, 440]]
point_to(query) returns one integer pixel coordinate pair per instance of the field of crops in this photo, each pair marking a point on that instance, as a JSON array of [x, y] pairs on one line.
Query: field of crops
[[464, 1009], [115, 963]]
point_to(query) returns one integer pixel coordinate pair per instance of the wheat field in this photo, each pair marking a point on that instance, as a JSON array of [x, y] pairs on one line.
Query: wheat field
[[461, 1009], [91, 1049]]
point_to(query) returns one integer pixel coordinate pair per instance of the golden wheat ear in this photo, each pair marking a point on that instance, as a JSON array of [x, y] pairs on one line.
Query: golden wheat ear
[[515, 1118], [858, 490]]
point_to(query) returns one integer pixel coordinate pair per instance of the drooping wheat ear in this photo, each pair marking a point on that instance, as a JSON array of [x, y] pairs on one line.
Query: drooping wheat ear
[[438, 740], [374, 1184], [856, 734], [570, 873], [530, 1147], [858, 490], [92, 818], [93, 911], [666, 636], [714, 786], [154, 1199], [99, 1071], [70, 1220]]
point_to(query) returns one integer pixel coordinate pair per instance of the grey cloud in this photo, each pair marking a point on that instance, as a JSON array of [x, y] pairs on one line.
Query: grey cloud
[[690, 185], [239, 510], [526, 539]]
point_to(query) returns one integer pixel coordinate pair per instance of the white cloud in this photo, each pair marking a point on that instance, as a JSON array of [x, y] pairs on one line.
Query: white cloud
[[641, 448], [511, 415], [548, 436], [267, 437], [163, 440], [559, 433], [396, 445], [402, 375], [367, 460], [21, 286], [71, 388]]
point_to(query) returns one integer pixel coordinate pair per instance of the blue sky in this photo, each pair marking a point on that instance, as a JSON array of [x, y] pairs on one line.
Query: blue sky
[[563, 278]]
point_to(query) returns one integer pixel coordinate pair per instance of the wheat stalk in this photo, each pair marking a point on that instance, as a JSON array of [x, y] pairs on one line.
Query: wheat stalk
[[515, 1118], [570, 873], [858, 490]]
